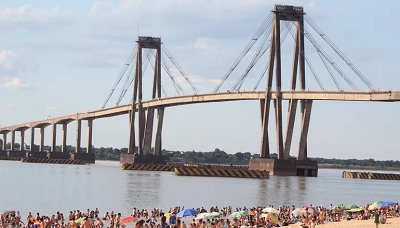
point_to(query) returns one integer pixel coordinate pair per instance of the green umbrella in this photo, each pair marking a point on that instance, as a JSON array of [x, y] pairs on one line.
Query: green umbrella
[[349, 207], [80, 220]]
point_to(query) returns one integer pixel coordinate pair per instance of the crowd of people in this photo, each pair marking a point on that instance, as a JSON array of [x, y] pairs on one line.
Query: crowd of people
[[214, 217]]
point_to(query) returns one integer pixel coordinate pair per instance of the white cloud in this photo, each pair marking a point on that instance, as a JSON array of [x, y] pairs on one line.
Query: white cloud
[[8, 62], [30, 17], [16, 83]]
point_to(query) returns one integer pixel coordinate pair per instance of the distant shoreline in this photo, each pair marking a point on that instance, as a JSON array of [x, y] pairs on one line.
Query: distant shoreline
[[335, 166]]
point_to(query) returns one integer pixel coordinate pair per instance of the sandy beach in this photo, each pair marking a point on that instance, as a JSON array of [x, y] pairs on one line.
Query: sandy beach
[[391, 223]]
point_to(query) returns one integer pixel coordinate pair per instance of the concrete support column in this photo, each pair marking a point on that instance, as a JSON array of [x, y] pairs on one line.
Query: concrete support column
[[4, 146], [89, 137], [132, 139], [304, 130], [54, 138], [64, 137], [78, 136], [157, 148], [22, 142], [41, 145], [12, 140], [32, 139], [278, 100], [264, 153], [148, 132], [141, 114], [289, 128]]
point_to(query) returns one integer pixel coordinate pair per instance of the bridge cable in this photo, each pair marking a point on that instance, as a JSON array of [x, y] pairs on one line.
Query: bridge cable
[[287, 24], [308, 35], [339, 52], [286, 29], [262, 48], [327, 66], [307, 61], [284, 35], [128, 81], [249, 45], [261, 76], [178, 88], [168, 53], [144, 68], [325, 57], [121, 74]]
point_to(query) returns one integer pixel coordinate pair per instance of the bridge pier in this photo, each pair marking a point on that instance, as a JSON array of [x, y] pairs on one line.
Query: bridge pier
[[287, 167], [12, 140], [145, 121], [284, 165], [142, 159], [4, 142]]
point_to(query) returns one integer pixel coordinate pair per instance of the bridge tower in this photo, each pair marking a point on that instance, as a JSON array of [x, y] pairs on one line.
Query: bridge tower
[[140, 151], [283, 165]]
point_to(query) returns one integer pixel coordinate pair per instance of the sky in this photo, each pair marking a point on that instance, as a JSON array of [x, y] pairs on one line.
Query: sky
[[63, 57]]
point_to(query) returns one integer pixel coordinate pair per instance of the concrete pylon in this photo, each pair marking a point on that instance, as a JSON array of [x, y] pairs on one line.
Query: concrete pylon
[[285, 13], [283, 165], [144, 131]]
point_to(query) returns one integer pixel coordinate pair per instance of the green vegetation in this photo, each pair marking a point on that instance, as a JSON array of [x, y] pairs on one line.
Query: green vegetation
[[221, 157]]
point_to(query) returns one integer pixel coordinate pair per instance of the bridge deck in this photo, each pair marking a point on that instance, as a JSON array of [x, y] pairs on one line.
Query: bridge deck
[[382, 96]]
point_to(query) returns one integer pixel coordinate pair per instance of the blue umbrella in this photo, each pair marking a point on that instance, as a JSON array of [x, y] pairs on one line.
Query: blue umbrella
[[186, 212], [385, 204]]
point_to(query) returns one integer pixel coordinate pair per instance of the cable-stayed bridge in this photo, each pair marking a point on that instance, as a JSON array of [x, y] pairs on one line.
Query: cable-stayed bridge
[[266, 67]]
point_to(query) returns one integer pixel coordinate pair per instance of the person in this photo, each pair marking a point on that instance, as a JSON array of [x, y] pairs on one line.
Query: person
[[71, 223], [86, 223], [172, 219], [99, 223], [106, 216], [117, 220], [29, 216], [163, 220], [139, 224]]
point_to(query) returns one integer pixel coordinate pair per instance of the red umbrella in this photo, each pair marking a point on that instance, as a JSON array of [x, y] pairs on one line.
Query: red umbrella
[[128, 220]]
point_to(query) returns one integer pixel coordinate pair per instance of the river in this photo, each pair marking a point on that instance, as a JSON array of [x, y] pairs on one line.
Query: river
[[48, 188]]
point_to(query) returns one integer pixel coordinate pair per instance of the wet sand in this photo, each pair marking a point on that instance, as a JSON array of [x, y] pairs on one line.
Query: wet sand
[[391, 223]]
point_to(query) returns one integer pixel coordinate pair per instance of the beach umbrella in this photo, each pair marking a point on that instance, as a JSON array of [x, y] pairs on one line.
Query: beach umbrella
[[80, 220], [187, 212], [128, 219], [351, 206], [297, 212], [203, 215], [385, 204], [235, 214], [374, 205], [215, 214], [8, 212], [246, 212], [168, 215], [271, 217], [270, 210], [307, 209], [356, 209]]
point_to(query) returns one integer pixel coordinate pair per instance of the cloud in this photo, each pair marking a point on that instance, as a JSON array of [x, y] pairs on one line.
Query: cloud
[[33, 18], [8, 62], [11, 105], [16, 83]]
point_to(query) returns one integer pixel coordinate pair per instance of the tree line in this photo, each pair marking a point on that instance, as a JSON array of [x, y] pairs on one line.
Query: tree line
[[221, 157]]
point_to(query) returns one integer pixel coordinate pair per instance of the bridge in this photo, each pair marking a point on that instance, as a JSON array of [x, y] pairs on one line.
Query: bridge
[[141, 136]]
